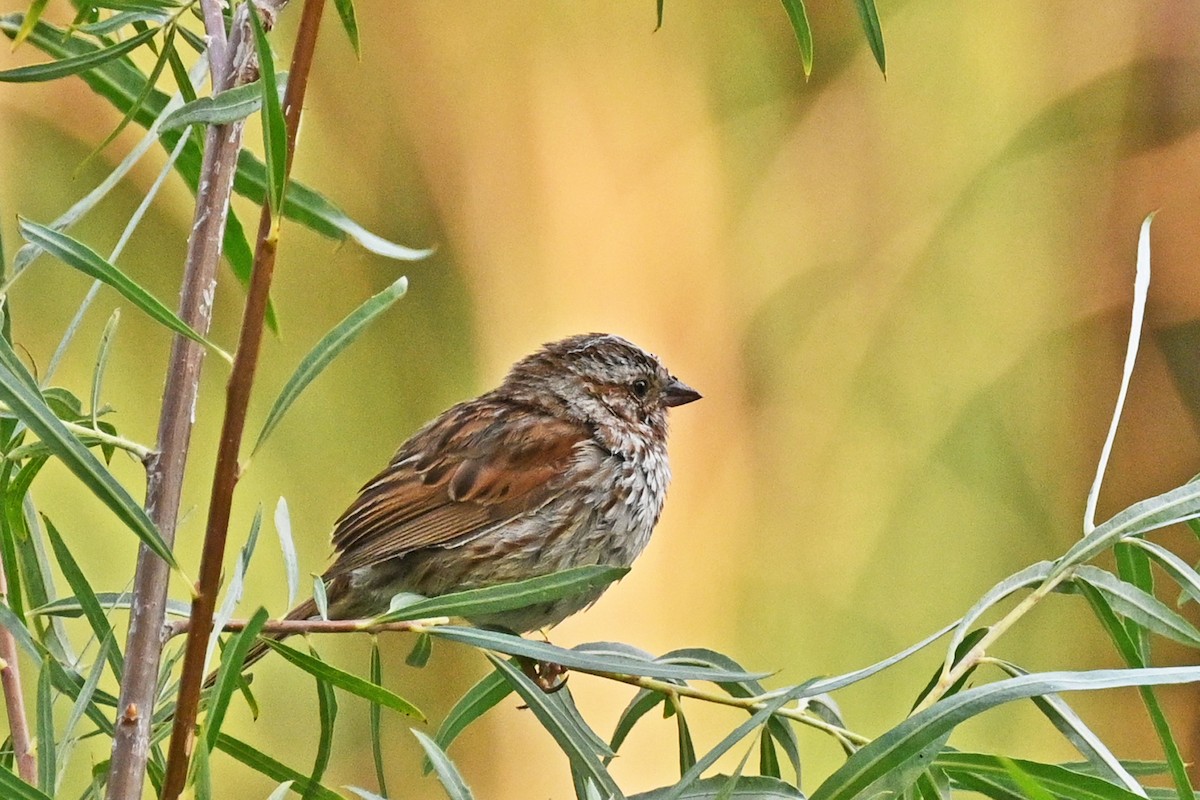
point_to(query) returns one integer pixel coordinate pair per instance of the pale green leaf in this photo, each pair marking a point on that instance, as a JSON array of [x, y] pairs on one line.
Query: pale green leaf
[[326, 350]]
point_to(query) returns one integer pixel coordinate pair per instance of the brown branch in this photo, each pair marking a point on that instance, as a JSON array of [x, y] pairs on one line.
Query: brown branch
[[164, 478], [294, 626], [237, 400], [14, 700]]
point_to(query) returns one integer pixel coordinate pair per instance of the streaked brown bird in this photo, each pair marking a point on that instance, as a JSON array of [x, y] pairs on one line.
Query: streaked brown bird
[[563, 465]]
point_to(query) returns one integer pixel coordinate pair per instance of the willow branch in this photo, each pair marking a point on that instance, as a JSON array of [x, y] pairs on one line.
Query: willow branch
[[952, 674], [237, 400], [368, 625], [165, 468], [293, 626], [14, 700]]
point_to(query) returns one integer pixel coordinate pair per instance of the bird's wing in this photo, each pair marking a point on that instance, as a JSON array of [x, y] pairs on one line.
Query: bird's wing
[[474, 467]]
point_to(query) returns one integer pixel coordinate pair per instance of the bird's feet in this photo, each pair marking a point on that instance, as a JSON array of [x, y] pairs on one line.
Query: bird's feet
[[548, 676]]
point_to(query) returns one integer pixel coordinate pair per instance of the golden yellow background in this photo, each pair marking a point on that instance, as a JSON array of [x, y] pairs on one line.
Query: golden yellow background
[[904, 301]]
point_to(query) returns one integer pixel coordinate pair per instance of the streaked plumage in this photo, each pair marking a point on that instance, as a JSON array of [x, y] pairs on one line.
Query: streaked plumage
[[563, 465]]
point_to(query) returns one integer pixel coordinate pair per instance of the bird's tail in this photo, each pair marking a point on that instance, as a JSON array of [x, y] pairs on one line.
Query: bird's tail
[[306, 610]]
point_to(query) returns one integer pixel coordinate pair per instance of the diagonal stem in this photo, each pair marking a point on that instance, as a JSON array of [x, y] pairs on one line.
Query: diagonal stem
[[14, 701], [237, 400], [164, 471]]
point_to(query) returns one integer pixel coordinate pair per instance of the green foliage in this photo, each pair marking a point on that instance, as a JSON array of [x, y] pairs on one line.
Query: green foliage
[[912, 759]]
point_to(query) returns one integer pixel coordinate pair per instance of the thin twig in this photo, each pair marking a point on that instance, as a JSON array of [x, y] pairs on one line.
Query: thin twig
[[89, 435], [368, 625], [237, 400], [292, 626], [14, 700], [164, 478], [952, 674]]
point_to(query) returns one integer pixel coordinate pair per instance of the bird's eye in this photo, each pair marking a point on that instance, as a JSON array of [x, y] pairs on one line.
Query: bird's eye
[[640, 387]]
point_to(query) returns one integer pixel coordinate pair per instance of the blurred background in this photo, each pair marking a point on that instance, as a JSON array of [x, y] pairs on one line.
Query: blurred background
[[905, 302]]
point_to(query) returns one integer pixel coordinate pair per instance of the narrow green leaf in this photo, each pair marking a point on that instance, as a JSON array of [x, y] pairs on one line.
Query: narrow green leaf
[[894, 749], [687, 750], [83, 592], [345, 9], [12, 363], [262, 763], [642, 703], [14, 533], [1179, 570], [201, 775], [327, 708], [31, 18], [826, 685], [582, 661], [507, 596], [83, 700], [1133, 567], [364, 794], [113, 24], [183, 81], [576, 746], [798, 16], [1032, 575], [314, 211], [479, 699], [566, 703], [274, 127], [47, 769], [291, 564], [110, 330], [964, 647], [422, 648], [732, 782], [75, 254], [1060, 780], [870, 23], [120, 83], [227, 677], [239, 256], [281, 791], [377, 719], [448, 774], [748, 787], [20, 633], [168, 47], [1100, 760], [34, 412], [72, 607], [344, 680], [326, 350], [1029, 786], [224, 107], [1140, 607], [768, 761], [1129, 650], [757, 719], [658, 14], [779, 728], [319, 597], [17, 789], [1141, 288], [932, 784], [75, 64], [1177, 505]]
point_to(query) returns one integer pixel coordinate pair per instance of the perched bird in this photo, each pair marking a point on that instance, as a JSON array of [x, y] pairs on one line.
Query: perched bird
[[563, 465]]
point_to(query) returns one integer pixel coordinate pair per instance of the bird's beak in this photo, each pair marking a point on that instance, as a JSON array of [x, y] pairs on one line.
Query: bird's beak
[[678, 393]]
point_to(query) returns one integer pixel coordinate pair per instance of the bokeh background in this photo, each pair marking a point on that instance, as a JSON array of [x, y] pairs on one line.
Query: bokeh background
[[904, 300]]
